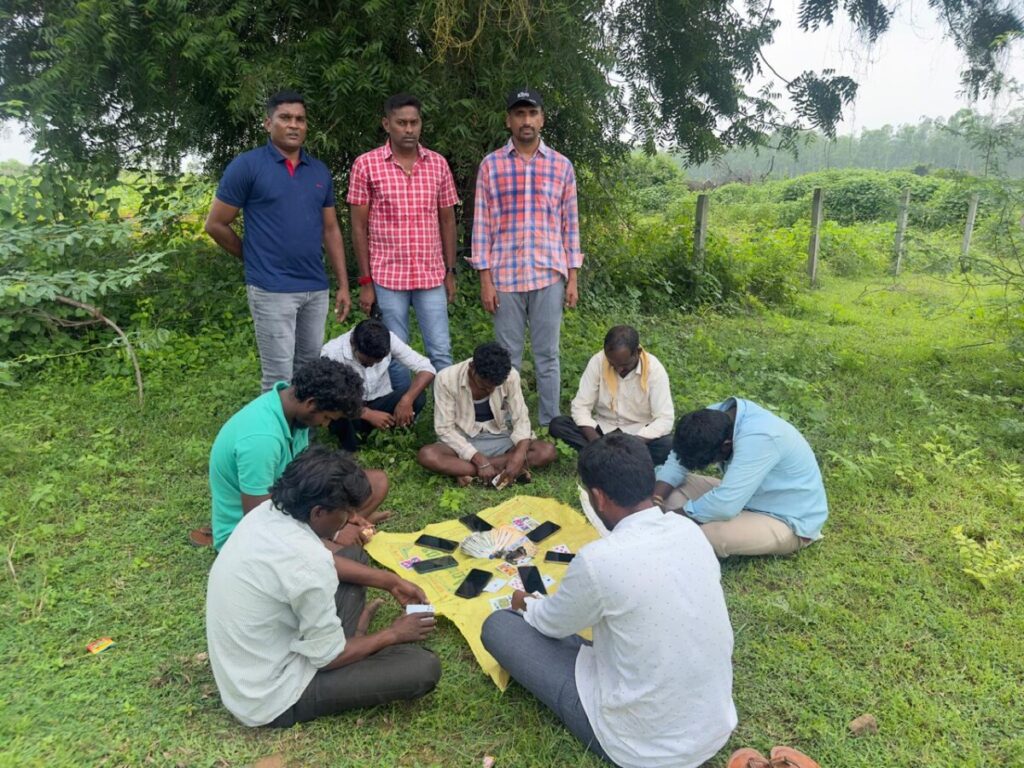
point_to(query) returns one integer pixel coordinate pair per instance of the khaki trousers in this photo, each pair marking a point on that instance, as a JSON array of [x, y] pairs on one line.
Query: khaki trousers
[[749, 533]]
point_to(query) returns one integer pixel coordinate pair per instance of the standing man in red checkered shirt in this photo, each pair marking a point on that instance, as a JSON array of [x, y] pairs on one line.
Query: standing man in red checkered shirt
[[526, 243], [402, 198]]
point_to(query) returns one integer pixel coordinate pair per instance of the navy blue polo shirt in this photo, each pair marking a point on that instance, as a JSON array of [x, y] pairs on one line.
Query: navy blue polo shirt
[[284, 228]]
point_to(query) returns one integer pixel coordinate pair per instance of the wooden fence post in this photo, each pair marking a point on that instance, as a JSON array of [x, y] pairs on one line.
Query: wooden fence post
[[901, 228], [965, 247], [817, 206], [700, 232]]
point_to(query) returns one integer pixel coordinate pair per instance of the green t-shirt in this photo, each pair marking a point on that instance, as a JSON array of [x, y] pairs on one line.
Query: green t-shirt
[[251, 451]]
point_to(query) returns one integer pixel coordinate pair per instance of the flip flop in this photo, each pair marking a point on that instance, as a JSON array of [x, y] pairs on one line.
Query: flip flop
[[787, 757], [201, 537], [747, 758]]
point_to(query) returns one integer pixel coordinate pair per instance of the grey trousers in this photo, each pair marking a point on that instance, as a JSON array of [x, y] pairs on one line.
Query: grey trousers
[[542, 311], [289, 330], [544, 666], [395, 673]]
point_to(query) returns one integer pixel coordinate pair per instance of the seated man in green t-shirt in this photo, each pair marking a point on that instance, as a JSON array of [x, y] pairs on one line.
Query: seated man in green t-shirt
[[255, 446]]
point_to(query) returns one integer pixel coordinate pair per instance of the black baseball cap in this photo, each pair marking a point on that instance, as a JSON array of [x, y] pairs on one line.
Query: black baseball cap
[[526, 96]]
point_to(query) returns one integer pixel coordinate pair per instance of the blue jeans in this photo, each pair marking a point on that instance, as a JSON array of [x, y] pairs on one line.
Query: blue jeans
[[289, 330], [544, 666], [431, 305]]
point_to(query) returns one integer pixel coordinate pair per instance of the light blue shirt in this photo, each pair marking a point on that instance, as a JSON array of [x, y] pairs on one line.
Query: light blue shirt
[[772, 471]]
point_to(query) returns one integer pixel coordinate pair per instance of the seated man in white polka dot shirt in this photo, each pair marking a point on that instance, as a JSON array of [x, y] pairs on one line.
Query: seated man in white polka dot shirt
[[655, 688]]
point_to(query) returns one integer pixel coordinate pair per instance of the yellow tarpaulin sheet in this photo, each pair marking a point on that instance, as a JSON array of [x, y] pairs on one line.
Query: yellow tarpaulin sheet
[[390, 549]]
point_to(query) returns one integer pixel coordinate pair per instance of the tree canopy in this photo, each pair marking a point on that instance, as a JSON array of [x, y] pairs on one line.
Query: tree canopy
[[110, 84]]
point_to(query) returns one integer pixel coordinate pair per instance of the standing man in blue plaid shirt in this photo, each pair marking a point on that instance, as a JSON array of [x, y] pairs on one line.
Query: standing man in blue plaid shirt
[[526, 243]]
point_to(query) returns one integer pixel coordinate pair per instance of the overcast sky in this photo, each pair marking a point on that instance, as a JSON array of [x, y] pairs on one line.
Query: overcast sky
[[912, 72]]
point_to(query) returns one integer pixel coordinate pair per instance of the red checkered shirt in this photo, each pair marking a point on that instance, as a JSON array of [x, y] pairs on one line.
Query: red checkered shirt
[[405, 234], [526, 228]]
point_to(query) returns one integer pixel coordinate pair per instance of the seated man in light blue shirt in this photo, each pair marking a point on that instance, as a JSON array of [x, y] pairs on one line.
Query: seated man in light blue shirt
[[770, 500]]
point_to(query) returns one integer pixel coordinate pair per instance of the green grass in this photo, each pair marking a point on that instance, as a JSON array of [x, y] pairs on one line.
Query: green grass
[[917, 422]]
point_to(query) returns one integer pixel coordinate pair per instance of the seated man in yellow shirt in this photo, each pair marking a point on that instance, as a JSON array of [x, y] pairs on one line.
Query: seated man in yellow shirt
[[482, 423], [624, 388]]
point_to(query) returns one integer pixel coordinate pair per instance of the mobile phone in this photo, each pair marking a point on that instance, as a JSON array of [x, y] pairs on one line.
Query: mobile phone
[[436, 542], [559, 557], [474, 583], [436, 564], [531, 578], [542, 531], [475, 523], [375, 312]]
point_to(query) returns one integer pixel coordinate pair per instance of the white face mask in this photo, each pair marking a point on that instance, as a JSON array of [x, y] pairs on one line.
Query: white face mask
[[590, 513]]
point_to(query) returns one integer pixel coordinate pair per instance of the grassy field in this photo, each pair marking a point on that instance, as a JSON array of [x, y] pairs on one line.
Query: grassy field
[[911, 402]]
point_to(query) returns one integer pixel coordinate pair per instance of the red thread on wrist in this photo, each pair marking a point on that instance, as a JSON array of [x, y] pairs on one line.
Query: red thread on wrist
[[365, 280]]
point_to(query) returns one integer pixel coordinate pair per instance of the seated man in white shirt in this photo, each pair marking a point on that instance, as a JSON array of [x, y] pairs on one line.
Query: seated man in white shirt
[[369, 349], [624, 388], [482, 423], [655, 688], [287, 641]]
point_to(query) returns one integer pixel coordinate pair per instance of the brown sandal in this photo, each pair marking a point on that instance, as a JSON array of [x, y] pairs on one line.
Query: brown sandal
[[787, 757], [747, 758], [201, 537]]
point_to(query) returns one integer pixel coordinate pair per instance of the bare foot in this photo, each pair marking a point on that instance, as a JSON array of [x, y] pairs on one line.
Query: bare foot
[[464, 480], [379, 516], [367, 616]]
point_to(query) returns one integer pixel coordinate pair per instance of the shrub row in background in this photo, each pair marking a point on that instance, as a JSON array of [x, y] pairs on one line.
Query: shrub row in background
[[137, 250]]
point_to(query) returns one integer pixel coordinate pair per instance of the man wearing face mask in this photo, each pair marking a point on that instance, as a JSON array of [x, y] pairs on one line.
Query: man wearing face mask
[[402, 198], [526, 243], [654, 689], [624, 388]]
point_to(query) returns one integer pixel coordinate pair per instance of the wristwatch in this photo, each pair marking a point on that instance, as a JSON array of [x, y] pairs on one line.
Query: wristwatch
[[452, 271]]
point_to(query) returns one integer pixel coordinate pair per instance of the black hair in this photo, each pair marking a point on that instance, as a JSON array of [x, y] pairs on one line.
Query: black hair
[[621, 466], [372, 338], [492, 362], [283, 97], [320, 477], [400, 100], [333, 386], [622, 337], [699, 437]]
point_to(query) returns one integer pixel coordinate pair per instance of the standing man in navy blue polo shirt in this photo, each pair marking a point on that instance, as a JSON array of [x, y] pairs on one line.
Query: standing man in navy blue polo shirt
[[288, 203]]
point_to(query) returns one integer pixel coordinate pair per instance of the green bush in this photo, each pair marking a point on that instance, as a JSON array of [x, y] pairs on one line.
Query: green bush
[[855, 251]]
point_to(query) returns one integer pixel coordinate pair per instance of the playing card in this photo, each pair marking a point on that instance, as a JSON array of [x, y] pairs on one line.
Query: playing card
[[410, 562], [548, 580], [495, 585], [525, 523], [508, 569], [561, 548], [515, 582], [501, 603]]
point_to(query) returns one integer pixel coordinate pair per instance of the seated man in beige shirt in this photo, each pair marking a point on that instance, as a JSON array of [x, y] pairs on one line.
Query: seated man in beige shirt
[[482, 423], [623, 389]]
